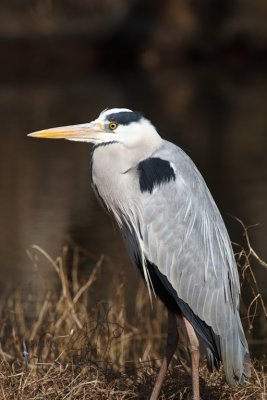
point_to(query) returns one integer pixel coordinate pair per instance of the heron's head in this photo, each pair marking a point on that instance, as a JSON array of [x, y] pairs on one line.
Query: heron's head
[[113, 125]]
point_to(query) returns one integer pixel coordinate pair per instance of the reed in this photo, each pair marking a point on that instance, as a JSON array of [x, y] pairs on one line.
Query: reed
[[58, 341]]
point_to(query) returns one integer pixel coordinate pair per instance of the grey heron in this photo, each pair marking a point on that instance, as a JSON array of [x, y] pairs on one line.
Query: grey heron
[[174, 234]]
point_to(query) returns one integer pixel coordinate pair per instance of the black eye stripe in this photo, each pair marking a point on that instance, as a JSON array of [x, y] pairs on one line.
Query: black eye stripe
[[124, 117]]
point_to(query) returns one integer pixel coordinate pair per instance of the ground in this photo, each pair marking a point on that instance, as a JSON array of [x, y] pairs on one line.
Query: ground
[[65, 344]]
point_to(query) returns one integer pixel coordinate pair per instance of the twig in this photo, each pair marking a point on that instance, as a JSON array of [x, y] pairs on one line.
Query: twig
[[251, 251], [47, 256], [41, 315], [25, 355], [90, 280]]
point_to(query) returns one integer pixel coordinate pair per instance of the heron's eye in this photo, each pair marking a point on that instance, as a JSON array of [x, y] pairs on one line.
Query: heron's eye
[[112, 125]]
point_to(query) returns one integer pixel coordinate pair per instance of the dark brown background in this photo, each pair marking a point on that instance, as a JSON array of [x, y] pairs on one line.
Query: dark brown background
[[196, 69]]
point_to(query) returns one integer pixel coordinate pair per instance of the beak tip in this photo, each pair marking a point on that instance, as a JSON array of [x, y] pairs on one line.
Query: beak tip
[[33, 134], [71, 132], [43, 135]]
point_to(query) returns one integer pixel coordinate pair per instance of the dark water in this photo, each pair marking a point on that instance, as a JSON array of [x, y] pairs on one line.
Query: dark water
[[218, 117]]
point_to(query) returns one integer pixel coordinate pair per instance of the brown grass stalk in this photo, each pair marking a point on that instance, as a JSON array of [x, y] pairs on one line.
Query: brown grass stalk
[[77, 347]]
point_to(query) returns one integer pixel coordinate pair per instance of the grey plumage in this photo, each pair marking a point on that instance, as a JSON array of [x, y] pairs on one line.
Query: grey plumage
[[172, 228], [178, 228]]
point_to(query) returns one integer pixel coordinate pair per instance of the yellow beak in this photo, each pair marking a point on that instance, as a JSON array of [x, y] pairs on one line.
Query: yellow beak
[[83, 132]]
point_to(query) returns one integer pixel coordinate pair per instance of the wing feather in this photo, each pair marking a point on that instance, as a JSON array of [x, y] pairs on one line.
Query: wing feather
[[185, 237]]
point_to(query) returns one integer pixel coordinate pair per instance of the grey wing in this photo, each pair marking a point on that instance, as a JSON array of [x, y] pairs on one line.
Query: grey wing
[[185, 237]]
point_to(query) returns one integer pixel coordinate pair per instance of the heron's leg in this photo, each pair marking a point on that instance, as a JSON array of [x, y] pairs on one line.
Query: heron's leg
[[194, 351], [172, 341]]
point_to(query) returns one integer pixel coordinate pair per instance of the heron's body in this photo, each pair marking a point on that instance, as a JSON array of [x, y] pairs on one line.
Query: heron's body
[[173, 225], [174, 233]]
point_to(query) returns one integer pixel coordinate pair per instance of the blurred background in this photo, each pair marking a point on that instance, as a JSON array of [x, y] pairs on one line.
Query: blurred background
[[196, 69]]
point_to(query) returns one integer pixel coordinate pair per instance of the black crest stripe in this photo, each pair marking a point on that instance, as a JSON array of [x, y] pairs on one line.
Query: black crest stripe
[[154, 171], [125, 117]]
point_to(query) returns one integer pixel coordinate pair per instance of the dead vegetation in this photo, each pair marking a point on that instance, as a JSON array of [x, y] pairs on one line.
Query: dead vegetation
[[59, 342]]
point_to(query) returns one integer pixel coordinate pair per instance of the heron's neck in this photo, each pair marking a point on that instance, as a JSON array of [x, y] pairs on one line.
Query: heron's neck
[[114, 174], [119, 158]]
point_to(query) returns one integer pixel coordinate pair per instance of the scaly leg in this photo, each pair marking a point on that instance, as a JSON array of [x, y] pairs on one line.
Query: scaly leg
[[172, 341], [194, 350]]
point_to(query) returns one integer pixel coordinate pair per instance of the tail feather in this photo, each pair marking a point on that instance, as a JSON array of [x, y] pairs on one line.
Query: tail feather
[[235, 355]]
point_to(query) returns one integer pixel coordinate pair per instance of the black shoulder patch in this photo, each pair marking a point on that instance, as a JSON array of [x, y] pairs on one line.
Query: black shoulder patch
[[154, 171], [125, 117]]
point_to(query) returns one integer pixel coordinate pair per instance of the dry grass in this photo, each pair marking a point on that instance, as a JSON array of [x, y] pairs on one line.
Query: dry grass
[[59, 342]]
